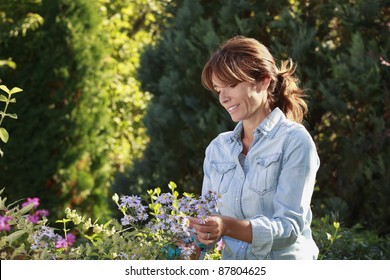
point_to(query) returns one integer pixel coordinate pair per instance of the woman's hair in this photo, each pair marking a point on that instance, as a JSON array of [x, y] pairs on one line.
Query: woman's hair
[[245, 59]]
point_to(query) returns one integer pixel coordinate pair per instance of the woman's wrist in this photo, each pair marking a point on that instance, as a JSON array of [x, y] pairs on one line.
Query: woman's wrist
[[236, 228]]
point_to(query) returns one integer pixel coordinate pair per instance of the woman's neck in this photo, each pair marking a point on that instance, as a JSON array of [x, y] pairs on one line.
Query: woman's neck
[[248, 127]]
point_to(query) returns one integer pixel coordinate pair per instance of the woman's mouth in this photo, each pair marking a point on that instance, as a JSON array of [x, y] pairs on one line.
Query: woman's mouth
[[232, 108]]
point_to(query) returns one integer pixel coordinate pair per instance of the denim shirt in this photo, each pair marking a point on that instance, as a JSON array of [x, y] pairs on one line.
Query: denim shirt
[[271, 187]]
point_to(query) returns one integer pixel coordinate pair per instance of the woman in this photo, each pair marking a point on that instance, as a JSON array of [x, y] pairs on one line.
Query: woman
[[264, 170]]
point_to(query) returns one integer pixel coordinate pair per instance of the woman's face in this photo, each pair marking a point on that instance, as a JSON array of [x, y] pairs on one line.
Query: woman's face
[[244, 101]]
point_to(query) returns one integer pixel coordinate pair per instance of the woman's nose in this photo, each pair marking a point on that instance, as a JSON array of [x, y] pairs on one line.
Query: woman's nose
[[223, 96]]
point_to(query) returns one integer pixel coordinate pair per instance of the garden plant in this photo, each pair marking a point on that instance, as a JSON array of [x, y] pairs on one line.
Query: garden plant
[[159, 230]]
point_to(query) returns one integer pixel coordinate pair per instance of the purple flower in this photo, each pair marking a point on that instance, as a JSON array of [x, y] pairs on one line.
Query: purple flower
[[123, 256], [71, 239], [34, 218], [165, 198], [142, 216], [202, 218], [42, 213], [161, 216], [61, 244], [200, 207], [43, 237], [66, 242], [126, 220], [186, 252], [4, 226], [130, 201], [29, 201], [133, 209], [186, 205]]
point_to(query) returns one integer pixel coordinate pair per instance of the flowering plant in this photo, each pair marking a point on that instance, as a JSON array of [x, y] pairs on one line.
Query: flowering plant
[[159, 230]]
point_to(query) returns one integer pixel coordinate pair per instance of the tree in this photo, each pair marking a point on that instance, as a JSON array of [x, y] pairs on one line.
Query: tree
[[353, 133], [60, 142], [130, 25]]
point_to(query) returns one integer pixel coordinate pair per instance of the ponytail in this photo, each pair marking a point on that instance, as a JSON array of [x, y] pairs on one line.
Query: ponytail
[[287, 95]]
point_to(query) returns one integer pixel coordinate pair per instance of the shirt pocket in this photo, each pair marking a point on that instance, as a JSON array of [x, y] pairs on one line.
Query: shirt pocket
[[222, 175], [265, 177]]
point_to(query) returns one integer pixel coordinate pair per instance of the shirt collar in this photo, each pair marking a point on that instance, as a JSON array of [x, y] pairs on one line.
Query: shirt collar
[[267, 127]]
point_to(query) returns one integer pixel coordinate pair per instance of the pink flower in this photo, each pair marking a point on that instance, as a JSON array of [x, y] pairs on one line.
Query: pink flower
[[70, 239], [220, 245], [66, 242], [34, 218], [42, 213], [61, 244], [29, 201], [4, 226]]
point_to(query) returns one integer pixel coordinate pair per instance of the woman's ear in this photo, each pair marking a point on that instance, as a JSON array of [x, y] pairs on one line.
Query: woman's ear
[[263, 84]]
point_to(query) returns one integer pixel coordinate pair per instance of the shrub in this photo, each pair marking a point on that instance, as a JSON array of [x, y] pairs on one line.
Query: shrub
[[356, 243], [60, 149]]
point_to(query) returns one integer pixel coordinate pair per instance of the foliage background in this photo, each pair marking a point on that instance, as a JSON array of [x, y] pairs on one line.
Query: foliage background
[[80, 120], [113, 102]]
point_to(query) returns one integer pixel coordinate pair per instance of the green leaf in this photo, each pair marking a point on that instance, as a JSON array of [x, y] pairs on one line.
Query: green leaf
[[27, 208], [4, 136], [115, 198], [13, 100], [3, 98], [186, 194], [12, 116], [1, 153], [63, 221], [2, 203], [13, 236], [107, 224], [172, 186], [15, 90], [4, 88]]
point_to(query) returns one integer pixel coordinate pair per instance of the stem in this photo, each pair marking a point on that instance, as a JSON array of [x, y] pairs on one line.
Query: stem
[[5, 109], [332, 240]]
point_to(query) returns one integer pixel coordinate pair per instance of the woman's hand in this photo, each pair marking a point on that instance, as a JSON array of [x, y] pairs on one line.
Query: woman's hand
[[210, 231], [217, 226]]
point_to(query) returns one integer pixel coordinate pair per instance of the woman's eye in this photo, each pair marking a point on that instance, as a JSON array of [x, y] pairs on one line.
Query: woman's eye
[[232, 85]]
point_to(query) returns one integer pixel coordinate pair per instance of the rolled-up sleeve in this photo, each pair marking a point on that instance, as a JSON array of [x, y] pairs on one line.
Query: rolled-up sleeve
[[262, 236]]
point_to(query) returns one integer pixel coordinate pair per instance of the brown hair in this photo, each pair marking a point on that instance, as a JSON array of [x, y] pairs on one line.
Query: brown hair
[[245, 59]]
